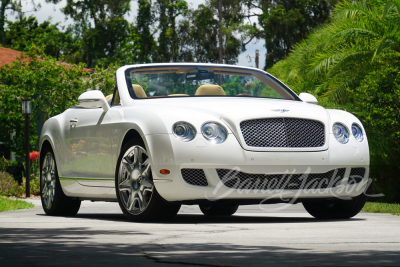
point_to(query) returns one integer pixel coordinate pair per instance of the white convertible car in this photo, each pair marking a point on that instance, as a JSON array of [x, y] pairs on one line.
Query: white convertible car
[[213, 135]]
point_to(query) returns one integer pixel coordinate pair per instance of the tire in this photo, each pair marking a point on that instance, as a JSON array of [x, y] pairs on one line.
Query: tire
[[54, 201], [336, 209], [136, 193], [218, 209]]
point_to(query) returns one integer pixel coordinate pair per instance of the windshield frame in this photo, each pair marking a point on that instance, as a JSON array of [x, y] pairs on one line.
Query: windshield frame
[[233, 68]]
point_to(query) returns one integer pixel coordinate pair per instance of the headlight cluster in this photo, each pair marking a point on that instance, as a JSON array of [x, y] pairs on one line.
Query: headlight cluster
[[213, 132], [356, 130], [341, 133], [184, 131]]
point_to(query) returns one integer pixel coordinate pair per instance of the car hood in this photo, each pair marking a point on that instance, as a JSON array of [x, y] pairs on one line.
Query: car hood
[[233, 110], [225, 107]]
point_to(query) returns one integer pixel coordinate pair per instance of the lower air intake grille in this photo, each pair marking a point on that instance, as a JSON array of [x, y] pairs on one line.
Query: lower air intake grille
[[242, 180], [356, 175], [194, 176], [283, 132]]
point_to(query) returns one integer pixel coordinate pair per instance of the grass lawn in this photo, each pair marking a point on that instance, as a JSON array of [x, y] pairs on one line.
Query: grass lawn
[[382, 208], [13, 204]]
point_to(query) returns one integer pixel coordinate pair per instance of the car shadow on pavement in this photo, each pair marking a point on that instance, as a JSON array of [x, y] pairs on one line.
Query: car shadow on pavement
[[85, 246], [199, 219]]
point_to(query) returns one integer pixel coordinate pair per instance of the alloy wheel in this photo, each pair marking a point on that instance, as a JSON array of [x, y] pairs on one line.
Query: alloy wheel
[[48, 180], [134, 180]]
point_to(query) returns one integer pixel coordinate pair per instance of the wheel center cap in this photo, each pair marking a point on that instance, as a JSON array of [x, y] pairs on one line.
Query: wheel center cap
[[136, 178]]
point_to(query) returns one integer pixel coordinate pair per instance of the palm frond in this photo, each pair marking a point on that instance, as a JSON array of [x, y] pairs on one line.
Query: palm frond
[[385, 44], [392, 5], [351, 58]]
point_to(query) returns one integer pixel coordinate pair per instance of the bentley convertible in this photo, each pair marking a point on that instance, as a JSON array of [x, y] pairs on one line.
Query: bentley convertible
[[212, 135]]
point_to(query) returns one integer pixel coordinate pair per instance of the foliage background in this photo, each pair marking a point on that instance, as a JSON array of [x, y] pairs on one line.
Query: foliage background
[[344, 52], [352, 63]]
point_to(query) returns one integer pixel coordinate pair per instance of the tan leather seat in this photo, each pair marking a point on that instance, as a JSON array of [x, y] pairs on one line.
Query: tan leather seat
[[178, 95], [210, 89], [139, 92], [109, 99]]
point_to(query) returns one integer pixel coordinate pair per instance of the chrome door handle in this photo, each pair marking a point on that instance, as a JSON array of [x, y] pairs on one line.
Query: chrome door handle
[[73, 122]]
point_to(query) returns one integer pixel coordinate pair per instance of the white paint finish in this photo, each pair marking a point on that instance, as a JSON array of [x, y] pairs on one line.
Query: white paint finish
[[93, 99], [309, 98], [153, 120]]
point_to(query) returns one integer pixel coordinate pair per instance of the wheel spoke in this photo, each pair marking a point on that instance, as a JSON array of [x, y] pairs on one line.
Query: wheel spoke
[[45, 191], [126, 161], [130, 202], [52, 166], [138, 199], [138, 157], [147, 184], [145, 202], [51, 193], [44, 178], [146, 162], [48, 162], [125, 185], [146, 172], [44, 166], [49, 196]]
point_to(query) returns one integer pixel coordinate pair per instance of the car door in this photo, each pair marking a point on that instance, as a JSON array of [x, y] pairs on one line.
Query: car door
[[89, 147]]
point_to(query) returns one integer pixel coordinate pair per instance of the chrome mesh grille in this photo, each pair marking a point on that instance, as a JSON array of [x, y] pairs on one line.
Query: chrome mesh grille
[[242, 180], [283, 132], [356, 175], [194, 177]]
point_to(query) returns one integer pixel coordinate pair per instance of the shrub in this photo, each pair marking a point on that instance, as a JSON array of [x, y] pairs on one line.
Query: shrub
[[377, 103], [53, 88], [9, 187]]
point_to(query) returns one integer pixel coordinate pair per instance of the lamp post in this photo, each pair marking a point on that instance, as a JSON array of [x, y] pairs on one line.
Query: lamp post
[[27, 110], [257, 57]]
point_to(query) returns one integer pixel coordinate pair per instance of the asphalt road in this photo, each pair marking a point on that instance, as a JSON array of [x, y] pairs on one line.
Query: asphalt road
[[100, 235]]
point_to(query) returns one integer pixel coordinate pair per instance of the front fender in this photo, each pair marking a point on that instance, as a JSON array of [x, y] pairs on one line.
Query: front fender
[[354, 151]]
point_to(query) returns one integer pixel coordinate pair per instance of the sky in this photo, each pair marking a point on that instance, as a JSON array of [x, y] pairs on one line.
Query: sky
[[54, 12]]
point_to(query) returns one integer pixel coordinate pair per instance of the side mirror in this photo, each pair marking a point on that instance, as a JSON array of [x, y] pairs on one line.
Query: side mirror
[[93, 99], [309, 98]]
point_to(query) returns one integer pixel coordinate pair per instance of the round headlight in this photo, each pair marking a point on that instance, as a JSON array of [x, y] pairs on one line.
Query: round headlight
[[184, 131], [341, 133], [214, 132], [357, 133]]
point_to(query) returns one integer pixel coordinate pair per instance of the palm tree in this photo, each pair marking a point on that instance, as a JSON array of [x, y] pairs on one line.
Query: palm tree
[[336, 56]]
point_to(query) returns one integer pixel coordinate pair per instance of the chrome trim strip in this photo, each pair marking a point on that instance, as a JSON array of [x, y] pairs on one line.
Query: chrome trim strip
[[162, 180], [86, 179]]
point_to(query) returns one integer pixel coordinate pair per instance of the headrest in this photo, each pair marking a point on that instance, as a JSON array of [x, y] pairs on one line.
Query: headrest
[[210, 89], [139, 92]]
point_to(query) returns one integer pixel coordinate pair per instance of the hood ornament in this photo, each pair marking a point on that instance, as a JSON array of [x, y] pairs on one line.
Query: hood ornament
[[280, 110]]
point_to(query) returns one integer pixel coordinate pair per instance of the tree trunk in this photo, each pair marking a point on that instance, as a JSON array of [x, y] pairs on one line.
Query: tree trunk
[[220, 31], [4, 3], [220, 37]]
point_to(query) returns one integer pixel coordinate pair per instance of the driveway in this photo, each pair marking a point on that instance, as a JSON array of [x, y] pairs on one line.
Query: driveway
[[100, 235]]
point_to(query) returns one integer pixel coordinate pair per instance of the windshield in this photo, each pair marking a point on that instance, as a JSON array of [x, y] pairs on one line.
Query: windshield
[[196, 81]]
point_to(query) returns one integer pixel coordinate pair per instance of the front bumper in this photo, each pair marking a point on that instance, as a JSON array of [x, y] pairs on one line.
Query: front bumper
[[166, 152]]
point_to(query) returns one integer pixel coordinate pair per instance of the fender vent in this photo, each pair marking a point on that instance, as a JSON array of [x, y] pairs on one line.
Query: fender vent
[[194, 177], [356, 175]]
